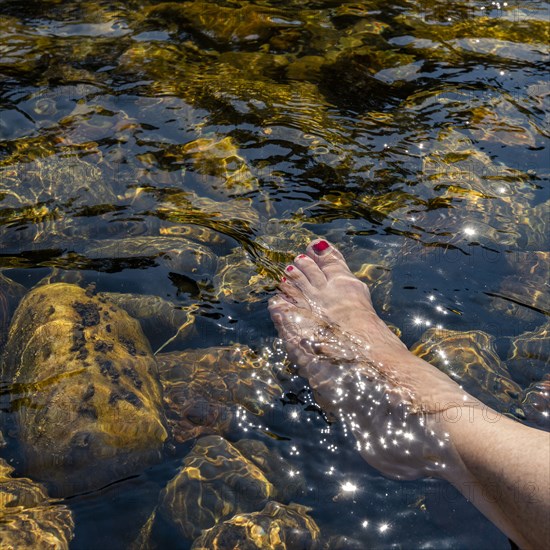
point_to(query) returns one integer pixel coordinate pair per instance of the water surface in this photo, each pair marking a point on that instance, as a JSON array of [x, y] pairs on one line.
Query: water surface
[[413, 135]]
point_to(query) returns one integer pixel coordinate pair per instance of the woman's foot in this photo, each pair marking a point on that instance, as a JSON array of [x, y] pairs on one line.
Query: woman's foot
[[410, 420], [360, 371]]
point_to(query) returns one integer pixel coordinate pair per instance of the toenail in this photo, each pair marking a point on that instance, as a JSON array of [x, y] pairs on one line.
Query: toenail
[[283, 279], [290, 268], [320, 246], [302, 256]]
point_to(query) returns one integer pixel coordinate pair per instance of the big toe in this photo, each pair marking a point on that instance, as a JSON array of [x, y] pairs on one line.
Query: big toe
[[328, 258]]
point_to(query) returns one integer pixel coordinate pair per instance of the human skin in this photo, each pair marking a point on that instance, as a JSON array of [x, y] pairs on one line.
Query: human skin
[[410, 420]]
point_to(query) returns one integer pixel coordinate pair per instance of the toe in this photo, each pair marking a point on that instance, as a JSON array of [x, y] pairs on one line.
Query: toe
[[328, 258], [290, 321], [293, 293], [311, 270], [280, 308], [279, 305], [295, 276]]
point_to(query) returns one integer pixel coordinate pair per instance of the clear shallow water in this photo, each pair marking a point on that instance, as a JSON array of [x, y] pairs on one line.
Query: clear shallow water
[[411, 134]]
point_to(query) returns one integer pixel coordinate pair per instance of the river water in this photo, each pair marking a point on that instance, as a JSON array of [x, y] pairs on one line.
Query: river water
[[411, 134]]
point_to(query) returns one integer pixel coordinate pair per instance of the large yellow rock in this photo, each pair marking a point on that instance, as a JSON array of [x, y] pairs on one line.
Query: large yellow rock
[[85, 389]]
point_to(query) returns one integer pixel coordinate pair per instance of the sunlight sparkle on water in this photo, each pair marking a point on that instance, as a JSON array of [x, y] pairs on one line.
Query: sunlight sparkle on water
[[384, 527], [470, 231], [349, 487]]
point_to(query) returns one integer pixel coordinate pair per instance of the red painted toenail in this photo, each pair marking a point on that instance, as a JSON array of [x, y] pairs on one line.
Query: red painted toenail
[[290, 268], [283, 279], [301, 256], [320, 246]]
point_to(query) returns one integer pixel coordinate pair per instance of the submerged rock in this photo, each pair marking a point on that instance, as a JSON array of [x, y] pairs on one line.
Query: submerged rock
[[22, 51], [84, 390], [524, 295], [276, 526], [38, 200], [289, 484], [54, 181], [216, 163], [29, 519], [229, 217], [470, 359], [156, 315], [216, 481], [240, 279], [470, 197], [534, 225], [197, 233], [10, 296], [528, 355], [178, 254], [204, 387], [350, 81], [224, 26], [376, 272], [535, 402]]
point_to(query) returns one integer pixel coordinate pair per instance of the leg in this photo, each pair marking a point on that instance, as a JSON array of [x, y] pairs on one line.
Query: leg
[[403, 411], [508, 472]]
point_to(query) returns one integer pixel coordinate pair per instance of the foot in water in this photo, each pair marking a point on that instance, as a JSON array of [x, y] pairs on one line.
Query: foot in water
[[409, 419], [361, 372]]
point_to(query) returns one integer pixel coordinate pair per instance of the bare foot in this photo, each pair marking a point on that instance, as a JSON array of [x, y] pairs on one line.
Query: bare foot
[[361, 372]]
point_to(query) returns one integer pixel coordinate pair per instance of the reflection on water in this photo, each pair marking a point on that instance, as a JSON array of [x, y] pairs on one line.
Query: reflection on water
[[169, 159]]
